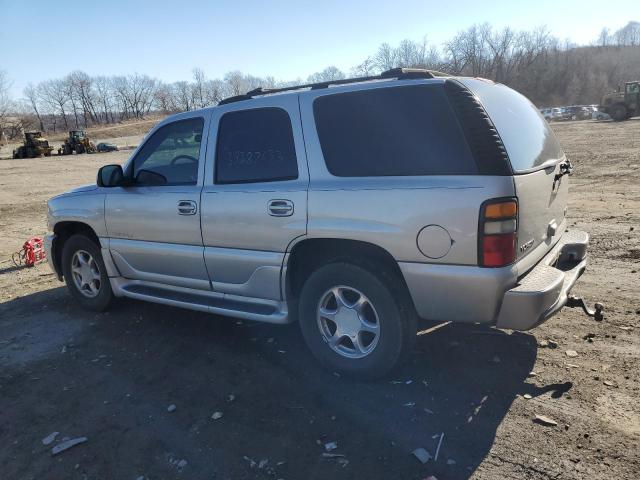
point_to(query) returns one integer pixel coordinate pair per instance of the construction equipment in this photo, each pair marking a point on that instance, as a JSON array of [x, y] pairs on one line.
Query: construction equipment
[[622, 104], [34, 145], [77, 142]]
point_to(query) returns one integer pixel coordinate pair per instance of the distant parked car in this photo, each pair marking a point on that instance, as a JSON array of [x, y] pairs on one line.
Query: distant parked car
[[598, 114], [557, 114], [107, 147], [547, 113], [577, 112]]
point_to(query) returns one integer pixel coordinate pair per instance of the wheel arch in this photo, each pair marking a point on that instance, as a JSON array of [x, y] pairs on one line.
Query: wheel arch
[[63, 231], [309, 254]]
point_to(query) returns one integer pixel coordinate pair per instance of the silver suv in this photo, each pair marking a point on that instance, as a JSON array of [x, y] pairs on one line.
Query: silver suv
[[354, 207]]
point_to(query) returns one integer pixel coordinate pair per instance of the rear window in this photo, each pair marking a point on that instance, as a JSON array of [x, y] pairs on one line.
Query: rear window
[[397, 131], [524, 132]]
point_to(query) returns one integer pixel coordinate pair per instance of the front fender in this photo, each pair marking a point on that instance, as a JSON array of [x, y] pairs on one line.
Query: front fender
[[85, 207]]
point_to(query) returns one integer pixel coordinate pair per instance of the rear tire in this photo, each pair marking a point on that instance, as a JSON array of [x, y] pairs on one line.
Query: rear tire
[[619, 112], [85, 273], [356, 322]]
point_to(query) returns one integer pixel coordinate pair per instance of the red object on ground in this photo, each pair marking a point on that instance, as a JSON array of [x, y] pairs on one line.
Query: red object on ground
[[32, 251]]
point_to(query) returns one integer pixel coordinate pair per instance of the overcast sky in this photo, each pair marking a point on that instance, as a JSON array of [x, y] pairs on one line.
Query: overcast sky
[[43, 39]]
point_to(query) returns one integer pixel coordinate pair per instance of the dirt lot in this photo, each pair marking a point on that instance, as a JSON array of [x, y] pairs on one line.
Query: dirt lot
[[111, 377]]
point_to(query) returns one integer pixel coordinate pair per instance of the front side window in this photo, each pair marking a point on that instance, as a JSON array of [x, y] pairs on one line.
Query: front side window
[[170, 156], [255, 146]]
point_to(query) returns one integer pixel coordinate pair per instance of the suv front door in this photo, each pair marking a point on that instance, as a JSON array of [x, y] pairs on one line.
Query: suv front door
[[154, 223], [254, 199]]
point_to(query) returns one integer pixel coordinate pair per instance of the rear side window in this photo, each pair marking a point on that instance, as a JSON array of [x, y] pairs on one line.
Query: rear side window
[[396, 131], [255, 146], [524, 132]]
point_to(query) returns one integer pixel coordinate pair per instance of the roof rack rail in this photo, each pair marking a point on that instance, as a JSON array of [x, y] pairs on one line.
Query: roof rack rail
[[394, 73]]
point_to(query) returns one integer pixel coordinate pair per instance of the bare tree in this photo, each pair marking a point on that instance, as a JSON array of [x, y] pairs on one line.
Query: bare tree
[[327, 75], [408, 54], [5, 103], [31, 95], [163, 98], [385, 57], [365, 69], [199, 79], [183, 96], [604, 39], [629, 35], [104, 97], [547, 70], [54, 92], [235, 82], [82, 89], [214, 91]]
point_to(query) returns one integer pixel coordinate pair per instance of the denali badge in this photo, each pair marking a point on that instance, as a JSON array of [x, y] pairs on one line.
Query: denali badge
[[526, 246]]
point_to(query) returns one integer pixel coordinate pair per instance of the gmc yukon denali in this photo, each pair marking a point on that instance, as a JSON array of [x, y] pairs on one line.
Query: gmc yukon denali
[[354, 207]]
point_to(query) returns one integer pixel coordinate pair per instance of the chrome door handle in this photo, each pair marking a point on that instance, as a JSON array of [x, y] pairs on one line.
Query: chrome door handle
[[187, 207], [280, 208]]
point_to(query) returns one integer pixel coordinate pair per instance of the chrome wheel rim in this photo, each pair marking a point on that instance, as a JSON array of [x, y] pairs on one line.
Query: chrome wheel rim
[[85, 273], [348, 322]]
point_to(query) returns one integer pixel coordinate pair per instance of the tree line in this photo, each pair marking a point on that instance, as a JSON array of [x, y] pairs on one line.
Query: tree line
[[549, 71]]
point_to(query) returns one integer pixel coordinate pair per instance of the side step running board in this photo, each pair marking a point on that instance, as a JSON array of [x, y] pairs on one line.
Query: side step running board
[[222, 304]]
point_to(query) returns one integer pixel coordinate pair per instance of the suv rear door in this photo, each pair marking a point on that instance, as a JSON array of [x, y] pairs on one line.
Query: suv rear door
[[254, 201], [536, 158]]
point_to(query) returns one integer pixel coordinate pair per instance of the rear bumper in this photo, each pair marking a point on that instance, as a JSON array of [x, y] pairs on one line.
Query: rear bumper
[[503, 297], [544, 290]]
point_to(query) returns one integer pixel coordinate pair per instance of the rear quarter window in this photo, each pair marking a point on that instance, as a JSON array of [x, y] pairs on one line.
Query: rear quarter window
[[391, 131]]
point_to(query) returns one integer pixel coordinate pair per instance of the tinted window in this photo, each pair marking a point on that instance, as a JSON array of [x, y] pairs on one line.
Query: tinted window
[[170, 156], [525, 133], [255, 146], [391, 131]]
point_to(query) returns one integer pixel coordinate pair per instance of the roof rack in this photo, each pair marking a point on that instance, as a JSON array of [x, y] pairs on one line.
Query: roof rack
[[394, 73]]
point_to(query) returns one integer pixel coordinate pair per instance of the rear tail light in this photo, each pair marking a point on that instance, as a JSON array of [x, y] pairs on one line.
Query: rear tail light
[[498, 232]]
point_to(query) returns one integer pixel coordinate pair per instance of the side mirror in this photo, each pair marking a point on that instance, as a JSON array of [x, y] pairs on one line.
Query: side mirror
[[110, 176]]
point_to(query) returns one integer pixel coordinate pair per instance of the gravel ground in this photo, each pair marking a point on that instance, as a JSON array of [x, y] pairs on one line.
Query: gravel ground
[[112, 377]]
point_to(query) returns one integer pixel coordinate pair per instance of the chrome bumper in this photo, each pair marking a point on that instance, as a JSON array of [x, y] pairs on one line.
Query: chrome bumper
[[544, 290]]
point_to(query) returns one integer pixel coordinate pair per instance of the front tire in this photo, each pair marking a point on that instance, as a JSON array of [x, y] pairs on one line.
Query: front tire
[[619, 113], [85, 273], [356, 322]]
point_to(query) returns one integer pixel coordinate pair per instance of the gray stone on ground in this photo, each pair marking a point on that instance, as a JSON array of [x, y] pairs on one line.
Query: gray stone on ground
[[422, 455], [67, 445], [48, 440]]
